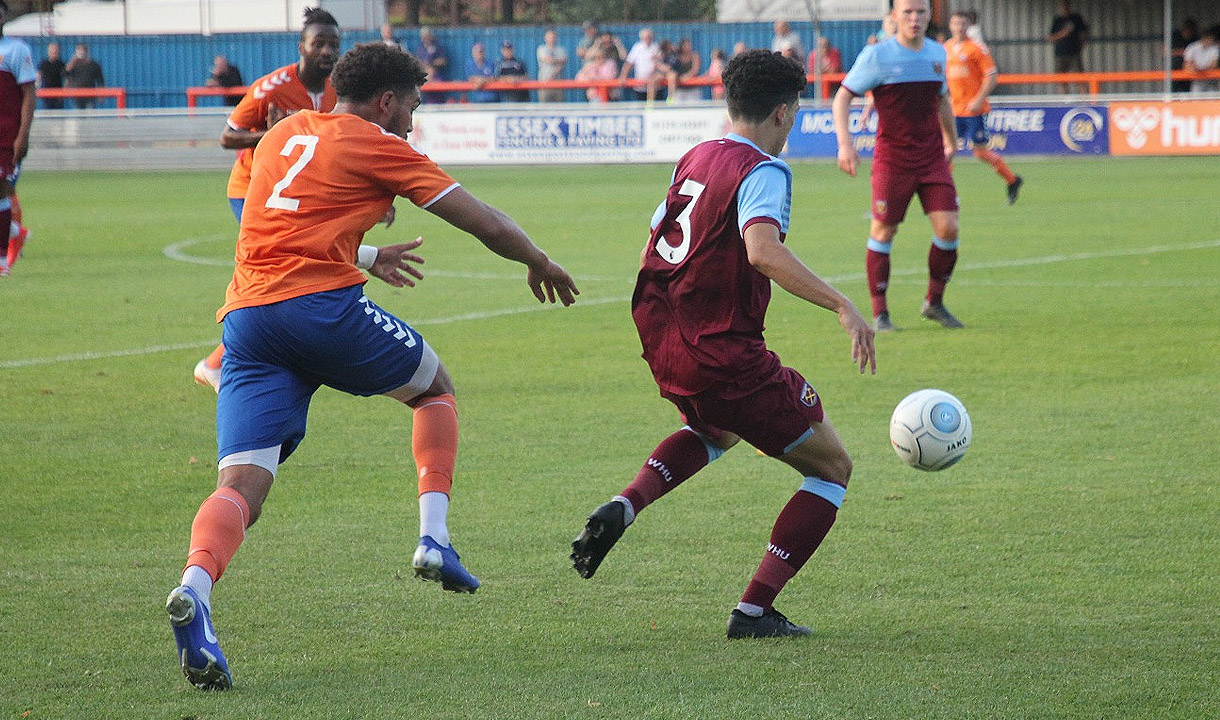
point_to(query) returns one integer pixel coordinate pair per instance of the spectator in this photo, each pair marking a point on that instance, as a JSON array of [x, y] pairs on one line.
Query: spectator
[[975, 31], [480, 71], [889, 28], [825, 58], [1069, 33], [643, 63], [551, 60], [715, 68], [1201, 55], [83, 72], [1183, 35], [687, 66], [436, 62], [786, 36], [512, 70], [51, 75], [588, 42], [387, 37], [599, 66], [225, 75], [790, 51], [612, 48], [739, 47]]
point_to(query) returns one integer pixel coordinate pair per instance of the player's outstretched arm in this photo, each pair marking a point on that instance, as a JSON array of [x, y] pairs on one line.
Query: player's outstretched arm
[[849, 159], [503, 236], [395, 264], [772, 258]]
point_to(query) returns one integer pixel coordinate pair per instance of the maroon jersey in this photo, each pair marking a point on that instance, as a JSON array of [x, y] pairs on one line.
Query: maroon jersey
[[698, 304]]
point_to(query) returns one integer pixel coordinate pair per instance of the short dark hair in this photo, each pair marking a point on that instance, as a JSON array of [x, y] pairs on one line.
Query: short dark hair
[[756, 81], [370, 69], [318, 16]]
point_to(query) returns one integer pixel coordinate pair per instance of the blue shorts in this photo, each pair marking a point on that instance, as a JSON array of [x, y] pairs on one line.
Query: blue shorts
[[236, 205], [277, 355], [974, 129]]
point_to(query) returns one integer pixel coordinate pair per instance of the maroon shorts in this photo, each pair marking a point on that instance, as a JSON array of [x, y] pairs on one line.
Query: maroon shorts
[[893, 190], [774, 416]]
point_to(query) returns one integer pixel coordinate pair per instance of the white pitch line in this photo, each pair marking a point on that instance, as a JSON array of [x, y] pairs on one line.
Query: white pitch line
[[151, 350], [589, 302], [177, 251]]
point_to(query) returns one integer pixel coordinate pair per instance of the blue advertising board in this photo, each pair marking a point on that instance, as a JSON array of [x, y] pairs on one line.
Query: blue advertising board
[[1014, 129]]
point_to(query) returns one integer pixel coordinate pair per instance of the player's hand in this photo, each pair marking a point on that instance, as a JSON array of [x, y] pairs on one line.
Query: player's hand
[[274, 115], [849, 159], [863, 351], [388, 219], [395, 264], [974, 107], [20, 149], [950, 153], [550, 280]]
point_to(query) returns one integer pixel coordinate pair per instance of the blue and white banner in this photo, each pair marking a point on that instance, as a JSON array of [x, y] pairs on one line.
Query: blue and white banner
[[1014, 129]]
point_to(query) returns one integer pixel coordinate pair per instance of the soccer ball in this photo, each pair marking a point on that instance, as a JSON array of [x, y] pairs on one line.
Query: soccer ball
[[930, 429]]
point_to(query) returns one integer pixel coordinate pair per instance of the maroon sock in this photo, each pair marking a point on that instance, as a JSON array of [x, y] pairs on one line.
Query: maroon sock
[[877, 266], [677, 458], [798, 531], [940, 269]]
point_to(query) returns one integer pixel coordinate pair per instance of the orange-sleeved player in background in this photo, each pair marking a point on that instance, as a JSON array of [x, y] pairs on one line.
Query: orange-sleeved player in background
[[303, 85], [972, 77], [296, 318]]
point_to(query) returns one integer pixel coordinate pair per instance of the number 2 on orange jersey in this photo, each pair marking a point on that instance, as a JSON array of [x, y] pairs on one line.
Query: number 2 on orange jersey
[[310, 144]]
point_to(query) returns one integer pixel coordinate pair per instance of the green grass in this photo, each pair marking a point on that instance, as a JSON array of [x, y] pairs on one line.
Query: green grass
[[1065, 569]]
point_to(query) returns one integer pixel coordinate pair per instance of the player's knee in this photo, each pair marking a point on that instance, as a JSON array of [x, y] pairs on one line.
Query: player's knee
[[839, 468], [252, 483]]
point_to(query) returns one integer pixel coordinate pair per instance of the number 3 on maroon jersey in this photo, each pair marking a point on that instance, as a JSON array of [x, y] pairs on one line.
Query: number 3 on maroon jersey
[[675, 254]]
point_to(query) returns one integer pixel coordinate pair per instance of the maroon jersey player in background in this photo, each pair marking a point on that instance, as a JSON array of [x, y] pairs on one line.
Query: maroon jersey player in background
[[699, 305]]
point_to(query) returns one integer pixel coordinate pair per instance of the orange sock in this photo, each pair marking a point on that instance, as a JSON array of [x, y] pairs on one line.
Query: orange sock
[[992, 158], [219, 528], [434, 439], [213, 360]]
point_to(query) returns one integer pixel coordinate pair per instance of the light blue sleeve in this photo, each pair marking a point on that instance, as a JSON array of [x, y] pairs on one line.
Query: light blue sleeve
[[660, 211], [865, 72], [765, 192]]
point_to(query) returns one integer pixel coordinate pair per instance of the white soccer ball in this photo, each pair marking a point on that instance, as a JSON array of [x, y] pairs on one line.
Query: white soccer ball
[[930, 429]]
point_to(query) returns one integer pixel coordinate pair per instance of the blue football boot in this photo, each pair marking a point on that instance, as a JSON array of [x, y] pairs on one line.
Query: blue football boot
[[203, 663], [441, 564]]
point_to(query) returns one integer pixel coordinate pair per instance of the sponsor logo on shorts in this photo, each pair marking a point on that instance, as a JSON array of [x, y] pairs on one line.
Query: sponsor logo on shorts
[[809, 396], [879, 207]]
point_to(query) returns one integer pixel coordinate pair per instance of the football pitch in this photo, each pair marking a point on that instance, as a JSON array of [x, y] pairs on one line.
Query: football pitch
[[1066, 568]]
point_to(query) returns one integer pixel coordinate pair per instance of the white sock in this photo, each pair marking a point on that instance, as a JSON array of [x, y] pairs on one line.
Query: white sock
[[750, 609], [628, 509], [433, 511], [13, 230], [197, 579]]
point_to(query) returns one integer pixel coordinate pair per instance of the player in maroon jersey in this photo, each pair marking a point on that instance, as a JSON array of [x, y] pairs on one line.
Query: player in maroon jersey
[[916, 140], [700, 301], [17, 76]]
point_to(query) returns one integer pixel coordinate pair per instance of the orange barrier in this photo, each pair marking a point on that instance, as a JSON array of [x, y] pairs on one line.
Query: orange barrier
[[118, 94], [194, 93]]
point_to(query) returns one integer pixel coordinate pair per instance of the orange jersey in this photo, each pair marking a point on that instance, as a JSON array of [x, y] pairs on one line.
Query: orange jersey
[[967, 67], [282, 88], [318, 183]]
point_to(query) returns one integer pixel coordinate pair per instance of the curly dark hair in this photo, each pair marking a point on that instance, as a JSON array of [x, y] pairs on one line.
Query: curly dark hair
[[318, 16], [756, 81], [370, 69]]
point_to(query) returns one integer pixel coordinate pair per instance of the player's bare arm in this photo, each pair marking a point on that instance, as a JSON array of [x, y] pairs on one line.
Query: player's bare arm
[[232, 139], [503, 236], [948, 127], [849, 159], [395, 264], [21, 145], [775, 260], [989, 85]]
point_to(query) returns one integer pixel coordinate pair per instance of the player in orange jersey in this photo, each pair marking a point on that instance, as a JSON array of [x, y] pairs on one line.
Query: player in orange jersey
[[296, 318], [303, 85], [972, 76]]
